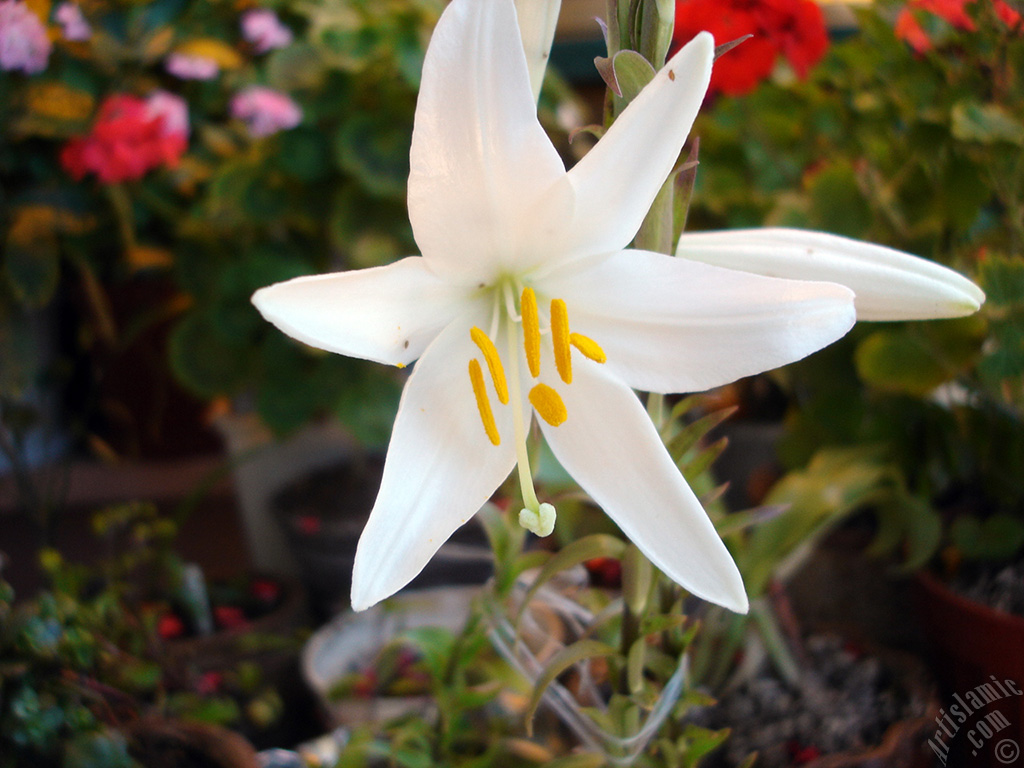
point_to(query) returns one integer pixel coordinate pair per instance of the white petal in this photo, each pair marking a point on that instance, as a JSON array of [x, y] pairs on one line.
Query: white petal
[[612, 450], [617, 181], [674, 325], [537, 21], [387, 314], [482, 168], [440, 469], [889, 284]]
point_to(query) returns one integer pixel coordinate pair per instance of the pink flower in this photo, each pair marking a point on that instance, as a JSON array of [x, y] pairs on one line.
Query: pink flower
[[265, 111], [264, 30], [24, 44], [70, 17], [188, 67]]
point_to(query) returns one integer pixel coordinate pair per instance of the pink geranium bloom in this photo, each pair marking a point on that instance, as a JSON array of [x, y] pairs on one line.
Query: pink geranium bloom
[[24, 44], [70, 17], [188, 67], [264, 30], [265, 111]]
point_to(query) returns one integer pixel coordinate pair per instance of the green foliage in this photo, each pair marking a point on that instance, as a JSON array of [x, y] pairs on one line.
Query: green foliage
[[85, 658], [236, 212], [919, 151]]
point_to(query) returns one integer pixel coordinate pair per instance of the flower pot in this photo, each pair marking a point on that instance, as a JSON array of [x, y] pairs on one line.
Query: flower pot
[[350, 642], [850, 707], [978, 655]]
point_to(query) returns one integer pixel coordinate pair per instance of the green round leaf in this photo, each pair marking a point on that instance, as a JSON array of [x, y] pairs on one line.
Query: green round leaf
[[375, 149]]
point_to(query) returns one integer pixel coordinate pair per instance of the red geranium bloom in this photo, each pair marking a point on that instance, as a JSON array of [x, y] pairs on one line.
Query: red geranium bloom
[[792, 28], [798, 28], [169, 626], [130, 137], [954, 12], [265, 590], [229, 617]]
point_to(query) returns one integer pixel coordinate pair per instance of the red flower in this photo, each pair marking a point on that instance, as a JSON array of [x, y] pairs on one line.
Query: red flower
[[308, 524], [605, 572], [265, 590], [129, 138], [954, 12], [793, 28], [229, 617], [169, 626], [209, 682]]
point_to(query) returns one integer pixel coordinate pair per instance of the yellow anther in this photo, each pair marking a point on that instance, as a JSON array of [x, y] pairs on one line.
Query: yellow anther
[[476, 375], [494, 365], [589, 348], [548, 404], [560, 339], [531, 330]]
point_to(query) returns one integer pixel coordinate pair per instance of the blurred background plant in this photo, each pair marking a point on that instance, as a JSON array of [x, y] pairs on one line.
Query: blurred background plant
[[160, 161], [908, 133], [83, 661]]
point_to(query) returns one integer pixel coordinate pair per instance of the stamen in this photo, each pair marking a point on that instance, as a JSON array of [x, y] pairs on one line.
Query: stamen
[[548, 403], [531, 330], [589, 348], [494, 365], [540, 522], [560, 339], [476, 376]]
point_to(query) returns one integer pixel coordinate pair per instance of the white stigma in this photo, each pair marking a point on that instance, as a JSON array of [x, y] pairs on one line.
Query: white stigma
[[540, 522]]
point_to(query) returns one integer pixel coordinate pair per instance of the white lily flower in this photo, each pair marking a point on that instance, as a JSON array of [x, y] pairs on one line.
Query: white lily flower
[[525, 302], [537, 22], [888, 284]]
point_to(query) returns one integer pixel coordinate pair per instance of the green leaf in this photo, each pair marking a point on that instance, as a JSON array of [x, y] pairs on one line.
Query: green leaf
[[375, 149], [999, 537], [32, 270], [899, 362], [560, 662], [632, 73], [635, 665], [305, 154], [1003, 280], [985, 123], [837, 202], [924, 533], [203, 361], [574, 553], [637, 578]]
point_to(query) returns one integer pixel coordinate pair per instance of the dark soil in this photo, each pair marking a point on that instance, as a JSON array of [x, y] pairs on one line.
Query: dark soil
[[163, 751], [998, 586], [845, 701]]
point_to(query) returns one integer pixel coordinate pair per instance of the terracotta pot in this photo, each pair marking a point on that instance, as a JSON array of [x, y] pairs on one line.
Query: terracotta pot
[[974, 646], [159, 743]]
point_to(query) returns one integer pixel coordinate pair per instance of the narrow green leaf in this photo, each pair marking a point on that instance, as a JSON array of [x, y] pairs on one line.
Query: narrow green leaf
[[563, 660], [579, 551], [692, 433]]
